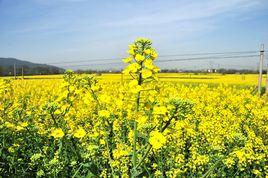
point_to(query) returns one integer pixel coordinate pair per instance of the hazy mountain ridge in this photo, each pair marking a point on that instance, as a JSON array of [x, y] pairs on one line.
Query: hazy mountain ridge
[[29, 68]]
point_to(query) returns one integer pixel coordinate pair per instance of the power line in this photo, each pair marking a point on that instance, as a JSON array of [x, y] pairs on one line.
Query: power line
[[210, 53], [207, 58], [171, 60], [160, 56], [90, 60], [94, 64]]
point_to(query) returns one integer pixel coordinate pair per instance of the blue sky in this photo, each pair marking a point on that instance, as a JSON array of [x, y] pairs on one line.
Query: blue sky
[[49, 31]]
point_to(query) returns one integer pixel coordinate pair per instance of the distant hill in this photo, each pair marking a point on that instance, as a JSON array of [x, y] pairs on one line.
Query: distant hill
[[29, 68]]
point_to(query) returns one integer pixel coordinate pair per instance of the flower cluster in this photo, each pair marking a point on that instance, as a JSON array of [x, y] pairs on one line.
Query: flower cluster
[[140, 60]]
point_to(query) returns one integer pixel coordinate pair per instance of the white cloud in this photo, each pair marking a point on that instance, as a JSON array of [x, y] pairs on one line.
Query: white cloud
[[175, 12]]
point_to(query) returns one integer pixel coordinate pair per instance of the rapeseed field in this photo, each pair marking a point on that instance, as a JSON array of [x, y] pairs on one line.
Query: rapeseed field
[[143, 124]]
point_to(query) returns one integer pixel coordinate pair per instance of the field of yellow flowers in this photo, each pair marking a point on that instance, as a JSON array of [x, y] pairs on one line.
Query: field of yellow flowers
[[243, 80], [139, 126]]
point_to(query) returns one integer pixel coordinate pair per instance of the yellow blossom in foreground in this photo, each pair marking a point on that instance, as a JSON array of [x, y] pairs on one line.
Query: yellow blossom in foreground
[[146, 73], [132, 68], [133, 83], [131, 51], [139, 58], [36, 156], [160, 110], [24, 124], [104, 113], [157, 139], [229, 162], [147, 51], [9, 125], [80, 133], [19, 128], [149, 64], [120, 151], [142, 120], [127, 60], [102, 141], [154, 54], [57, 133]]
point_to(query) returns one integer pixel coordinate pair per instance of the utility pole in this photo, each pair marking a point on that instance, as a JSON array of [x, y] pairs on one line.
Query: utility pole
[[15, 77], [22, 74], [266, 86], [260, 68]]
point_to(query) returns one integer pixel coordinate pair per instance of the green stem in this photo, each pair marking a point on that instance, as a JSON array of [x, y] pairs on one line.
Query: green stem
[[107, 139], [77, 171], [95, 97], [150, 146], [109, 155], [145, 155], [134, 158]]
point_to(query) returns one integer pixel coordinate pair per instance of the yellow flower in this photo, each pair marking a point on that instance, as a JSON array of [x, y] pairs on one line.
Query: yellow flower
[[130, 136], [160, 110], [147, 51], [139, 58], [96, 88], [133, 83], [40, 173], [153, 55], [146, 73], [256, 172], [158, 173], [57, 133], [149, 64], [154, 166], [127, 60], [156, 69], [19, 128], [80, 133], [24, 124], [102, 141], [133, 67], [136, 89], [120, 151], [104, 113], [157, 139], [11, 149], [105, 98], [229, 162], [131, 50], [36, 156], [141, 120], [200, 159], [9, 125]]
